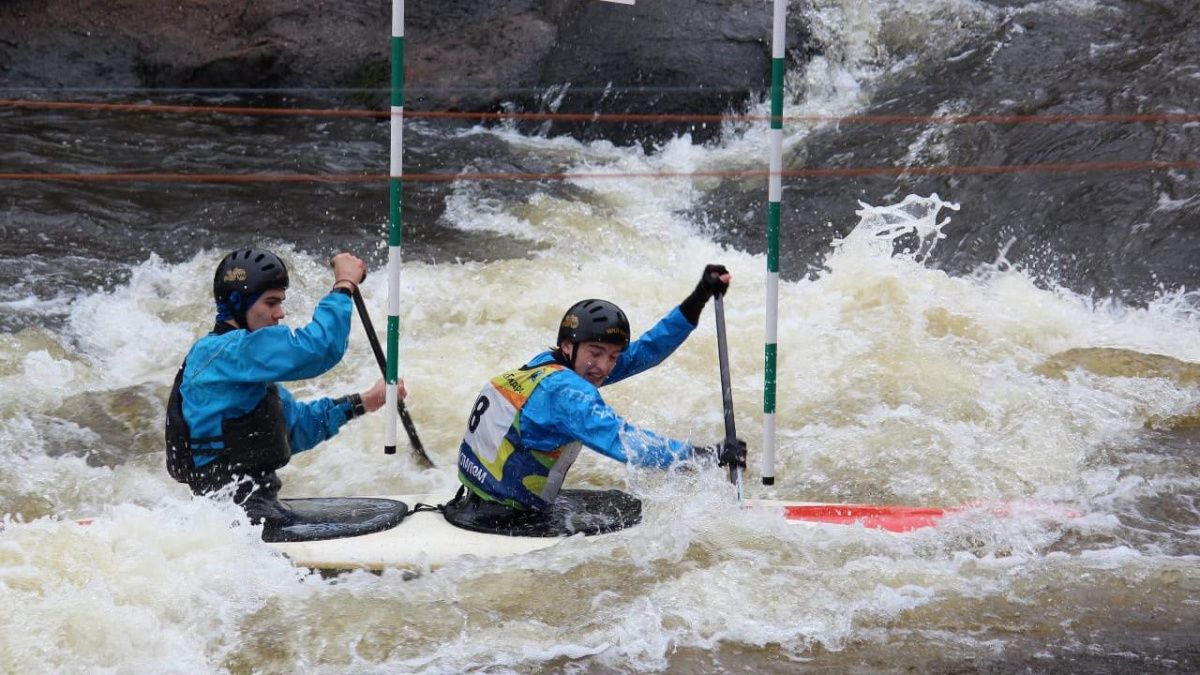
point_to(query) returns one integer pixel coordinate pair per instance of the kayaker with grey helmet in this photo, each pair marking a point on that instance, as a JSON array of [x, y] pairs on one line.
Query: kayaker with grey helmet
[[527, 426], [229, 422]]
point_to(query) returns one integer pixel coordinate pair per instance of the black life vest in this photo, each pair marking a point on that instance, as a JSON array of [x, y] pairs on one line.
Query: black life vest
[[255, 443]]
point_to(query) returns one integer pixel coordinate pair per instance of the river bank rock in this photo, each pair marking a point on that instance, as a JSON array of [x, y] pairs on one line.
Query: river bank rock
[[1075, 203], [566, 56]]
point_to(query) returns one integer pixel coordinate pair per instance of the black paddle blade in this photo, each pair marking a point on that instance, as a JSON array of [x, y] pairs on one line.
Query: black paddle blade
[[735, 472]]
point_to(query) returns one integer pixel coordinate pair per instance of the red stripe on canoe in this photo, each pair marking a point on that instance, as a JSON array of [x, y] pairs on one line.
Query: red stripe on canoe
[[890, 518]]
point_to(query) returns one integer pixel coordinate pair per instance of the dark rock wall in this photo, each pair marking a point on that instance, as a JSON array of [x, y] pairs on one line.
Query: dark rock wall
[[569, 56]]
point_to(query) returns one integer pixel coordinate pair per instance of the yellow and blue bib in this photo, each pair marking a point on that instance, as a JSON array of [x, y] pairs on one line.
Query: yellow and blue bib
[[492, 460]]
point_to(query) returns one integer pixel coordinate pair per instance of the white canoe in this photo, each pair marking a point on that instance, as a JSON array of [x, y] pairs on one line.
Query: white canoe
[[426, 540]]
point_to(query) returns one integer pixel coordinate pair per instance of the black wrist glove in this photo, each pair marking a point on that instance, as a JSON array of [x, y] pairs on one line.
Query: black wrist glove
[[710, 285], [357, 409], [728, 451]]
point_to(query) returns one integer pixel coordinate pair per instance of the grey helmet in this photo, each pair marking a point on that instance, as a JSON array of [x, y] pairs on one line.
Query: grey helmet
[[242, 277], [594, 321]]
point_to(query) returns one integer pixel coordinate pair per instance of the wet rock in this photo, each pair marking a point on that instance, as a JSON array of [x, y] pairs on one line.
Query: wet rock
[[580, 56], [1068, 202]]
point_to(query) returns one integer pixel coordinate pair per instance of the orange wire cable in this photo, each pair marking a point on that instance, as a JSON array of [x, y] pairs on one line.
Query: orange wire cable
[[144, 108], [816, 172], [1175, 118]]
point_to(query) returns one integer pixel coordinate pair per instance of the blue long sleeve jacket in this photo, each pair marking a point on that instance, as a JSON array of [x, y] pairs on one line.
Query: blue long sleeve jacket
[[227, 376], [566, 408]]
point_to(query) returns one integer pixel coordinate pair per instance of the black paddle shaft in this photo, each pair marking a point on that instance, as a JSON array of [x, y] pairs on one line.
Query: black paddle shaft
[[405, 418], [726, 388]]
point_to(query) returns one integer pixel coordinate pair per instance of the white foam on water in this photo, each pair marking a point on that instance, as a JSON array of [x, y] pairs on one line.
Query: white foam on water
[[139, 590], [898, 383]]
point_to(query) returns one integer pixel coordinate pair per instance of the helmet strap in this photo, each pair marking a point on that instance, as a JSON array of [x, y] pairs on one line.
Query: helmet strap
[[560, 355], [239, 314], [221, 328]]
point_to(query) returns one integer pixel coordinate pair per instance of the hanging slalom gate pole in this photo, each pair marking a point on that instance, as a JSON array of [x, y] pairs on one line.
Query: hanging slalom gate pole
[[405, 418], [395, 185], [774, 197]]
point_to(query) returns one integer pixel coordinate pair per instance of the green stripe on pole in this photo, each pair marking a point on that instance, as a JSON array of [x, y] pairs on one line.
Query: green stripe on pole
[[398, 72], [769, 378], [395, 210], [393, 346]]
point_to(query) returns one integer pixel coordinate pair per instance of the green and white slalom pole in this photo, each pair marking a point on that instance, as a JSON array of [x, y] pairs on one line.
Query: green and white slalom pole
[[774, 197], [395, 190], [391, 377]]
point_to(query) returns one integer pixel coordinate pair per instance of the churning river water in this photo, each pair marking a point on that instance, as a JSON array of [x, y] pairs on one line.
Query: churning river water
[[1070, 418]]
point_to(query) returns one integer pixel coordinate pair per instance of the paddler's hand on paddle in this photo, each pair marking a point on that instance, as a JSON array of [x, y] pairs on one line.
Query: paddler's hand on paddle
[[727, 452], [348, 271], [370, 400], [714, 281], [374, 398]]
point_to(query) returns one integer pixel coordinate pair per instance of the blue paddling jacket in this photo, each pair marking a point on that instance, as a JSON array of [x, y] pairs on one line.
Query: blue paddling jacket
[[527, 426], [231, 374]]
